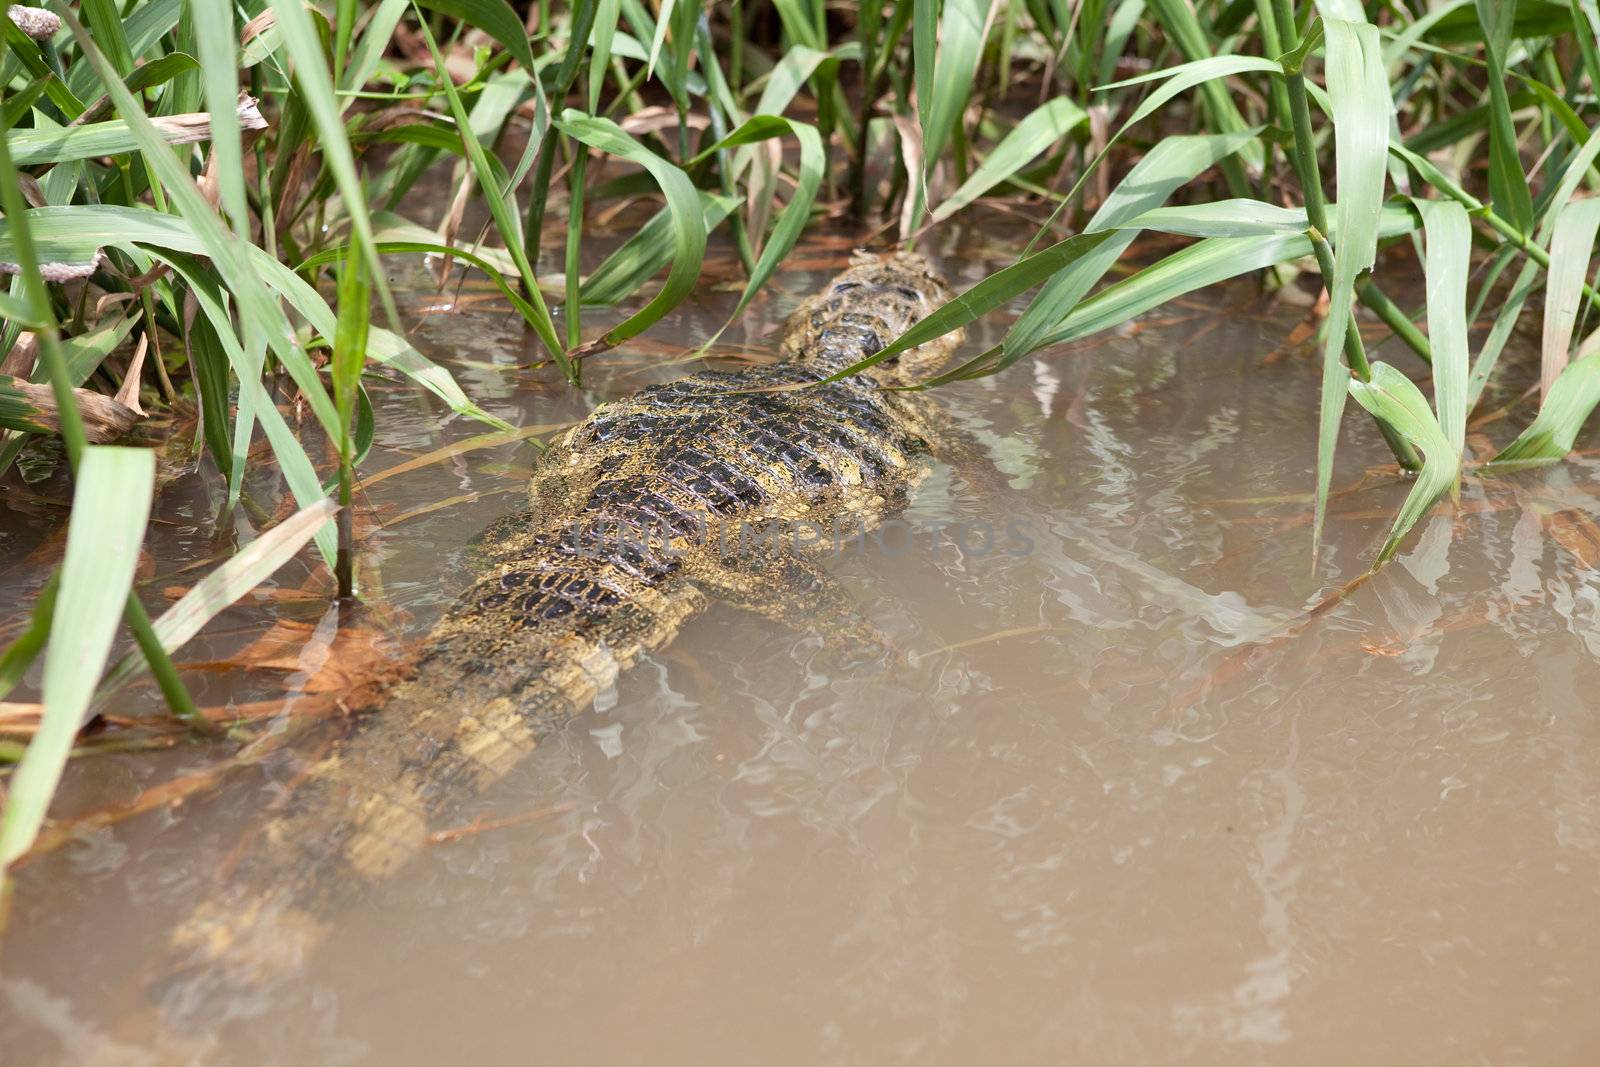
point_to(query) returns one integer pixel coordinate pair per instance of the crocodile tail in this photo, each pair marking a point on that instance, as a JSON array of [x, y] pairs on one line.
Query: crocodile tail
[[529, 646]]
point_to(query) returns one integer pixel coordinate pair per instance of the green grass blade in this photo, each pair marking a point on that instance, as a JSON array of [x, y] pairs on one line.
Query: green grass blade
[[110, 505], [228, 255], [1449, 249], [350, 336], [798, 22], [796, 68], [961, 36], [1358, 90], [1566, 408], [1042, 128], [646, 252], [217, 44], [375, 39], [316, 91], [1179, 20], [295, 466], [394, 351], [924, 55], [994, 291], [1222, 218], [434, 248], [1172, 163], [1505, 321], [104, 21], [1570, 249], [785, 79], [148, 23], [494, 17], [28, 53], [683, 204], [1508, 187], [663, 20], [798, 211], [605, 32], [1205, 263], [20, 654], [1394, 399], [503, 213]]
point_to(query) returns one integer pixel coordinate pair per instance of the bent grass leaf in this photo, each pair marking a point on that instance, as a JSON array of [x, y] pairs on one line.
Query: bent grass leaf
[[1206, 262], [296, 467], [482, 259], [75, 235], [683, 204], [317, 94], [796, 68], [796, 213], [229, 255], [1177, 79], [646, 252], [1173, 162], [994, 291], [487, 172], [494, 17], [1554, 430], [1042, 128], [1178, 20], [1187, 75], [1394, 399], [111, 503]]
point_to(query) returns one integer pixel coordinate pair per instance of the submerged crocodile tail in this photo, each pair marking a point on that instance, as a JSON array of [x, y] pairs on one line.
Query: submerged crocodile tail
[[529, 646]]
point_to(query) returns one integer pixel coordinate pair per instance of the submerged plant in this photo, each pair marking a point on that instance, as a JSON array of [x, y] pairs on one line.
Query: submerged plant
[[185, 182]]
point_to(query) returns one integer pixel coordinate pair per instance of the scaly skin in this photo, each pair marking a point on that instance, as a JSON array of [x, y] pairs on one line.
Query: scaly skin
[[566, 607]]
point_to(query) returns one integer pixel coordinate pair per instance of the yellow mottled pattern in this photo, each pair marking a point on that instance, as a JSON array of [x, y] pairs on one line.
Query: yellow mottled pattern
[[492, 677]]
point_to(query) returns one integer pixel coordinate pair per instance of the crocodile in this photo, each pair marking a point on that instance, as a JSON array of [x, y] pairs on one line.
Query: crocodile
[[565, 603]]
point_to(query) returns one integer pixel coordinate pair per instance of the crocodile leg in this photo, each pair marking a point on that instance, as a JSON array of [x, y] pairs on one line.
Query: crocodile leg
[[791, 588], [504, 539]]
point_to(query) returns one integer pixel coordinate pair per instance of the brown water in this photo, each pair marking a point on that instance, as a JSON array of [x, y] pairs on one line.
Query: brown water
[[1095, 819]]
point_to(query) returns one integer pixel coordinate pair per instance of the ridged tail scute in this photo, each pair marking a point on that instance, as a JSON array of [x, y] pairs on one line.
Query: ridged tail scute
[[529, 646]]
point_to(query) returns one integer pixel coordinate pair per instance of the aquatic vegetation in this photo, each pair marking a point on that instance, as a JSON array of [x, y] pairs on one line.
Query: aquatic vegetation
[[186, 184]]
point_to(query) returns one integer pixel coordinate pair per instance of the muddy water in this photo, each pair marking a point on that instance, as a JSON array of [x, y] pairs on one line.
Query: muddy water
[[1113, 806]]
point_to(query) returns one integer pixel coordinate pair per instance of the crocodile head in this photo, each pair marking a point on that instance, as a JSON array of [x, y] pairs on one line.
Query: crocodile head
[[887, 295]]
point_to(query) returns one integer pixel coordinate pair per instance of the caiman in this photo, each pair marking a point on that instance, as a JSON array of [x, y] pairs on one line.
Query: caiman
[[683, 471]]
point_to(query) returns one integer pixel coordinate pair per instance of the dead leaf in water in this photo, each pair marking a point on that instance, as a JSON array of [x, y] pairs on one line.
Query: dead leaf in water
[[349, 660], [1576, 532]]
